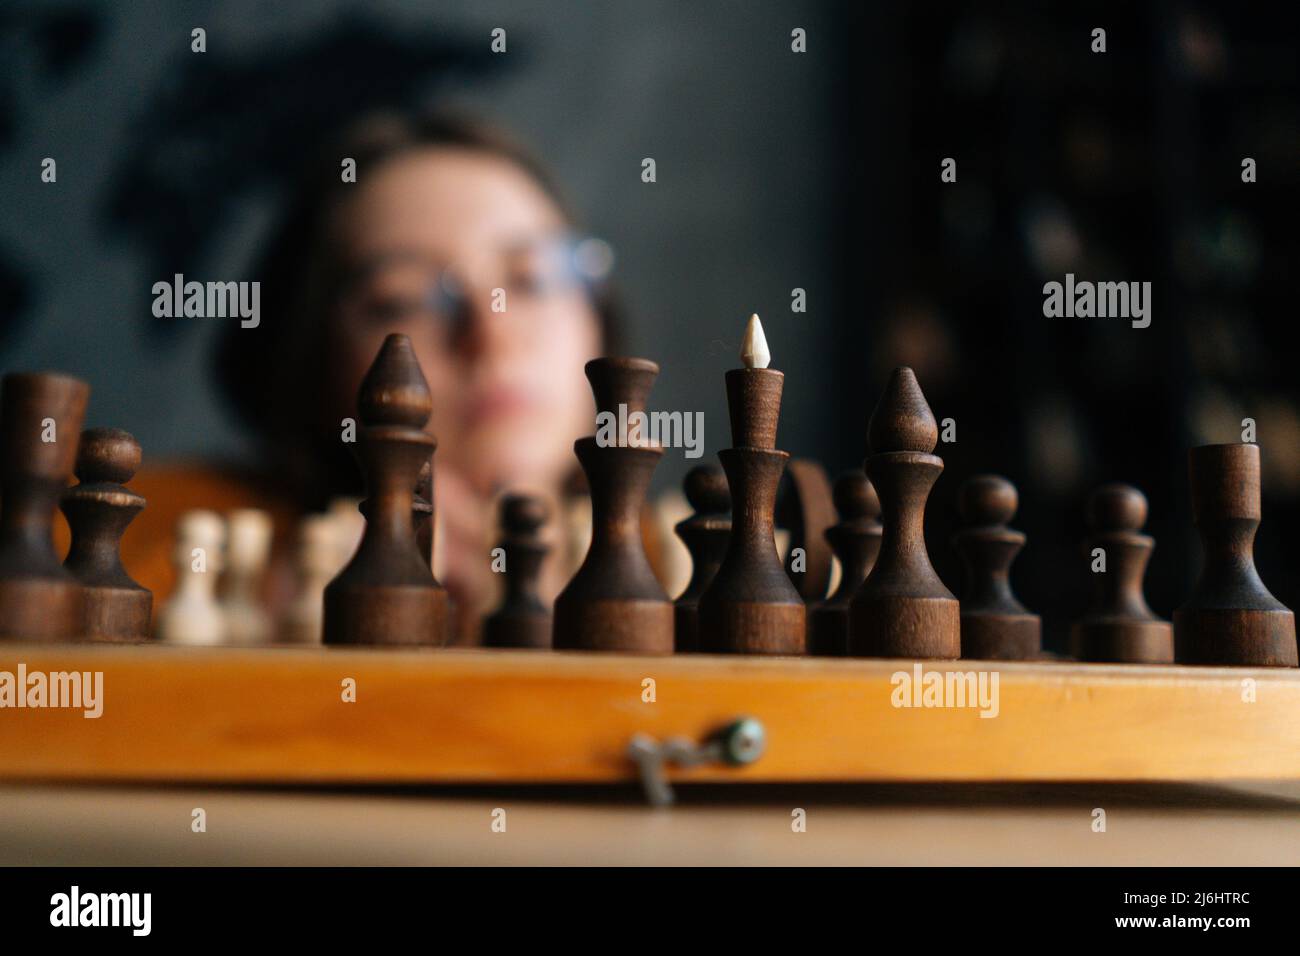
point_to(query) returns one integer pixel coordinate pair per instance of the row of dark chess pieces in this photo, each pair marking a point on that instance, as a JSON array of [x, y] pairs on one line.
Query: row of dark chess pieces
[[890, 603], [90, 596], [740, 600]]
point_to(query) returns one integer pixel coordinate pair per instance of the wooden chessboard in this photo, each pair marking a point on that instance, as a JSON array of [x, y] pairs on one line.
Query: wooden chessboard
[[441, 716]]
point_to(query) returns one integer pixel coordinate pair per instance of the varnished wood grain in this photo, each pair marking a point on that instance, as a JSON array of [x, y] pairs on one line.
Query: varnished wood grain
[[474, 715]]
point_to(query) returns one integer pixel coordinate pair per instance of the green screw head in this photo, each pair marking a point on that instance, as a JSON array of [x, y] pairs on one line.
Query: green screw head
[[743, 741]]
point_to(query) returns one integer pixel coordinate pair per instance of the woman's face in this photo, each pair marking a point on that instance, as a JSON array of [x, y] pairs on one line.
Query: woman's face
[[463, 252]]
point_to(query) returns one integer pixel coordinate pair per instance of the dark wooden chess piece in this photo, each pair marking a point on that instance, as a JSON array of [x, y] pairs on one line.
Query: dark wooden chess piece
[[40, 424], [1230, 617], [1118, 627], [614, 602], [522, 620], [705, 535], [994, 624], [806, 510], [99, 509], [902, 608], [386, 594], [752, 607], [422, 512], [856, 542]]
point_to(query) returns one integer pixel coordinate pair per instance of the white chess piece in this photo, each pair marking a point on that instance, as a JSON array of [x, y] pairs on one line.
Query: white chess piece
[[318, 562], [193, 616], [248, 548], [349, 528]]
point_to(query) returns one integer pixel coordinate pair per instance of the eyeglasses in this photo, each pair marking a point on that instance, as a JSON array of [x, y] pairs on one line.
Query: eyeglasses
[[401, 289]]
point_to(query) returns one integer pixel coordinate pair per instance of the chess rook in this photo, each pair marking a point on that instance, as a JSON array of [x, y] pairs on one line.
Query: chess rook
[[751, 606], [902, 609], [387, 593], [994, 624], [522, 620], [1118, 627], [705, 535], [1230, 617], [614, 602], [855, 540], [98, 510], [40, 425]]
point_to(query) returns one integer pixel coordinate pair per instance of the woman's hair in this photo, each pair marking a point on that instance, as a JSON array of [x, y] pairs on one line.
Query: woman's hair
[[268, 373]]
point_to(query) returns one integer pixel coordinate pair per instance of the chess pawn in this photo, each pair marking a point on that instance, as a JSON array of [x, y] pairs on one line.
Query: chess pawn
[[522, 620], [248, 548], [751, 606], [318, 562], [40, 424], [1118, 627], [705, 535], [1230, 617], [98, 510], [994, 624], [856, 542], [387, 593], [193, 615], [902, 609], [614, 602]]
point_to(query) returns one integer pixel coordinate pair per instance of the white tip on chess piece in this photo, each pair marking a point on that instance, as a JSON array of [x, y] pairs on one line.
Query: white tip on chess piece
[[754, 352]]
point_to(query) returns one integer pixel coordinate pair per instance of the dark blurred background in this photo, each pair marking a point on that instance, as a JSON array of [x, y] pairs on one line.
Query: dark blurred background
[[776, 171]]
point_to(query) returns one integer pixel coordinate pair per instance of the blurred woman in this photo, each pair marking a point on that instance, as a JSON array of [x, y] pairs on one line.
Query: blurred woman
[[454, 236]]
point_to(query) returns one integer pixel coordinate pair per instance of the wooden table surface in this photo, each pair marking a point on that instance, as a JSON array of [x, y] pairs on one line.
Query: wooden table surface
[[888, 824]]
